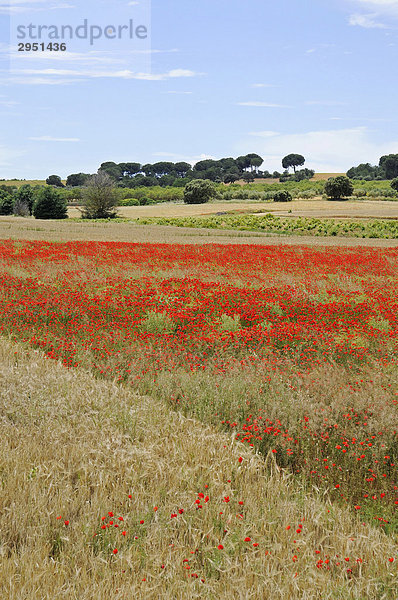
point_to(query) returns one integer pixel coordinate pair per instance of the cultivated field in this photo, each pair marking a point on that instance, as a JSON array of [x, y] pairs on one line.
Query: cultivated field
[[351, 209], [207, 421], [30, 229]]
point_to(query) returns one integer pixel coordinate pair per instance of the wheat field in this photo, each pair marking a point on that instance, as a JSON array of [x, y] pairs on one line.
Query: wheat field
[[76, 447]]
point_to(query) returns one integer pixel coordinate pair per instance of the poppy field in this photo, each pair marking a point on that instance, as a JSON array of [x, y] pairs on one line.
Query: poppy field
[[288, 354]]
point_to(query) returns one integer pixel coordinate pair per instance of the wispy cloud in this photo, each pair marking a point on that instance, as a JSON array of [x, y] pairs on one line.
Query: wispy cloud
[[21, 6], [178, 93], [262, 104], [366, 21], [4, 101], [384, 6], [49, 138], [50, 75], [263, 85]]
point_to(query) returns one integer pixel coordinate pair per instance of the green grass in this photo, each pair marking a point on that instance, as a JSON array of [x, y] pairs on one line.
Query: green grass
[[378, 228]]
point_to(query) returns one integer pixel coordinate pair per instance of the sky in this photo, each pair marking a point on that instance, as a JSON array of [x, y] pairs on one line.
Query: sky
[[189, 80]]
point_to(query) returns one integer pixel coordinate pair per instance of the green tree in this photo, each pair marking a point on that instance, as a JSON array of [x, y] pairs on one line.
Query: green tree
[[114, 171], [389, 164], [293, 160], [364, 170], [231, 178], [338, 187], [199, 191], [182, 168], [283, 196], [54, 180], [77, 179], [130, 169], [394, 184], [248, 177], [49, 204], [26, 195], [255, 161], [6, 203], [99, 197]]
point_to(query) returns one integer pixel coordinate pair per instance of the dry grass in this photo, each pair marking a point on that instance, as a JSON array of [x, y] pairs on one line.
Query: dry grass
[[76, 446], [20, 183], [317, 177], [58, 231], [316, 208]]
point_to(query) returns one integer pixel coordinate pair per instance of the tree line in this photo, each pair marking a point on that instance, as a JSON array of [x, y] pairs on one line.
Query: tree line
[[386, 169], [165, 173]]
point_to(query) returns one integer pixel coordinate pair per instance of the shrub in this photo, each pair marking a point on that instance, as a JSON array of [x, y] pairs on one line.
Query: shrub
[[20, 208], [130, 202], [145, 201], [99, 197], [283, 196], [199, 191], [49, 204], [338, 187], [394, 184]]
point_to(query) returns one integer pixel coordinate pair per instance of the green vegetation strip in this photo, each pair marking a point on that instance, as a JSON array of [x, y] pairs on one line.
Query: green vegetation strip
[[384, 229]]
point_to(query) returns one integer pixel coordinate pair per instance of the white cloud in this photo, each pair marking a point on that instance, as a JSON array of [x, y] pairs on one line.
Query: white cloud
[[4, 101], [49, 138], [21, 6], [52, 74], [330, 151], [263, 85], [384, 8], [262, 104], [366, 21], [177, 92]]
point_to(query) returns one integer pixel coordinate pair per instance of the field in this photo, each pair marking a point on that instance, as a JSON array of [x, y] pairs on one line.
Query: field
[[202, 421], [368, 209], [128, 231], [19, 182]]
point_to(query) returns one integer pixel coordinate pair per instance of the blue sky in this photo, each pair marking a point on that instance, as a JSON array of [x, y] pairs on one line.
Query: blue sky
[[213, 78]]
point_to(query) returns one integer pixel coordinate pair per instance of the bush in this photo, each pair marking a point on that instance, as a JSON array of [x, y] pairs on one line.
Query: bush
[[283, 196], [394, 184], [99, 197], [338, 187], [199, 191], [49, 204], [145, 201], [20, 208], [130, 202]]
